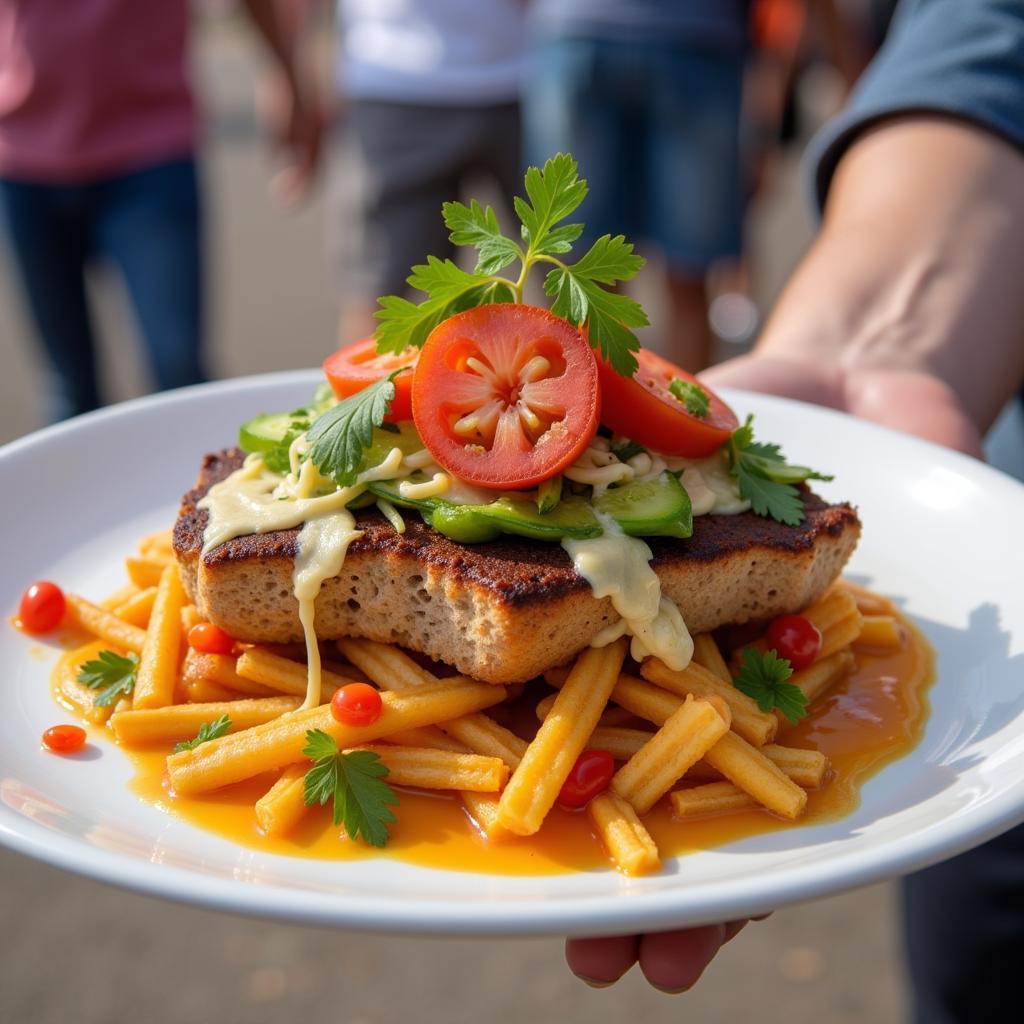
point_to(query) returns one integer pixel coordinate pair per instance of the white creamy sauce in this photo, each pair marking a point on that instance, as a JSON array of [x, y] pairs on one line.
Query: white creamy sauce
[[255, 500], [618, 567]]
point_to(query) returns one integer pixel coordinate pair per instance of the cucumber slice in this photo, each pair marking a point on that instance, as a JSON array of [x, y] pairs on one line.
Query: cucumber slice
[[461, 523], [571, 517], [649, 508], [549, 494], [262, 433], [398, 435]]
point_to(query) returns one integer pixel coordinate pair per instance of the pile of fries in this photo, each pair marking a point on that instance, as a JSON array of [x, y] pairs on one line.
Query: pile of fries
[[689, 734]]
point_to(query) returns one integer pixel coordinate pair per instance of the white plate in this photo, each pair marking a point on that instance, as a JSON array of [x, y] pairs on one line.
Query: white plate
[[942, 535]]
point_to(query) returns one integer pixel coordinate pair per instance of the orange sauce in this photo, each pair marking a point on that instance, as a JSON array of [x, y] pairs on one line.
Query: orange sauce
[[875, 716]]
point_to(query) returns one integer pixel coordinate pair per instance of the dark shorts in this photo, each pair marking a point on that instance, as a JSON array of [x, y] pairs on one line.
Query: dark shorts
[[411, 159], [655, 128]]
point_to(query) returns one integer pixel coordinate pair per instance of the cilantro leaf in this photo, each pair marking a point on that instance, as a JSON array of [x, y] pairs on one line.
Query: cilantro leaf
[[554, 192], [341, 435], [110, 673], [207, 731], [352, 780], [765, 479], [692, 395], [763, 678], [478, 226]]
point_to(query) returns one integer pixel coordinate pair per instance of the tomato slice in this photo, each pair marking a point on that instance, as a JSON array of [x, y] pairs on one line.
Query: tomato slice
[[505, 395], [643, 409], [359, 365]]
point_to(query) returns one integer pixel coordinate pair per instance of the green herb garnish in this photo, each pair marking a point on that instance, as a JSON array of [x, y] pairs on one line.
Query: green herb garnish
[[692, 395], [763, 678], [341, 435], [110, 673], [625, 451], [207, 731], [764, 477], [578, 289], [353, 781]]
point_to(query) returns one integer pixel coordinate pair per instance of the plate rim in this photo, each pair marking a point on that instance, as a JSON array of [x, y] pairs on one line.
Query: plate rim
[[604, 914]]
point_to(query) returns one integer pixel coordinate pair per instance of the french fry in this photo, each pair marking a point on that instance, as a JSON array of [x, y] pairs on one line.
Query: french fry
[[620, 742], [627, 841], [118, 597], [158, 545], [880, 631], [482, 808], [144, 572], [707, 655], [753, 724], [870, 604], [746, 767], [158, 661], [807, 768], [817, 678], [82, 696], [189, 617], [611, 717], [278, 743], [841, 634], [837, 604], [711, 798], [391, 669], [181, 721], [137, 609], [220, 669], [283, 675], [202, 691], [283, 806], [103, 624], [684, 738], [535, 784], [441, 769]]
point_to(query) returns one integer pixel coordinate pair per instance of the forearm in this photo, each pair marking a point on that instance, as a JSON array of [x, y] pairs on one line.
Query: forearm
[[280, 26], [917, 269]]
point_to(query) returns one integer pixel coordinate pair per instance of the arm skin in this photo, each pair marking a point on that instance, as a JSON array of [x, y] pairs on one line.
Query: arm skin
[[908, 311], [290, 106]]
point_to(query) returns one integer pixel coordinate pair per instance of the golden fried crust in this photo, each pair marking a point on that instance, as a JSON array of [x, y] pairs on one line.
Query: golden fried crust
[[505, 610]]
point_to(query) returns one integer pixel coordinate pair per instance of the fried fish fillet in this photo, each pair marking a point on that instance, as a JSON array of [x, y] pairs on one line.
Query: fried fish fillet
[[507, 610]]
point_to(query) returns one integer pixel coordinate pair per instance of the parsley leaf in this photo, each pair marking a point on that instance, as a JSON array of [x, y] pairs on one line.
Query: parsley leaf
[[764, 477], [207, 731], [554, 192], [579, 290], [478, 226], [111, 674], [763, 678], [353, 781], [692, 395], [341, 435]]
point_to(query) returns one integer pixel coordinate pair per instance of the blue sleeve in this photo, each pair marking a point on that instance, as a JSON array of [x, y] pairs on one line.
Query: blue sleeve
[[964, 58]]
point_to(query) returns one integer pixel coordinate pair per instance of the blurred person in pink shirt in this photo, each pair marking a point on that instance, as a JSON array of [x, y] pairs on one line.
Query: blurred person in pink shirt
[[98, 133]]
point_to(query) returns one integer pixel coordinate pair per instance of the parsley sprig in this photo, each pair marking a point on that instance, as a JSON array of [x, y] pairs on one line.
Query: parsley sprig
[[353, 781], [339, 437], [579, 290], [692, 395], [110, 673], [763, 678], [207, 731], [764, 477]]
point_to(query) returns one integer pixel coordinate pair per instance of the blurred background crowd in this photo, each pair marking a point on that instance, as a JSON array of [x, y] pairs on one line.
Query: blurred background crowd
[[191, 191], [130, 163]]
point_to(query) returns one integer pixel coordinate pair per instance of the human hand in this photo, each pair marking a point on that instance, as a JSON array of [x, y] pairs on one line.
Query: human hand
[[294, 119], [671, 961]]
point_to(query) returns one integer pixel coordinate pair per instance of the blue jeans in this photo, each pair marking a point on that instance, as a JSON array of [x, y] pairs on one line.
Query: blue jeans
[[655, 127], [147, 223], [964, 923]]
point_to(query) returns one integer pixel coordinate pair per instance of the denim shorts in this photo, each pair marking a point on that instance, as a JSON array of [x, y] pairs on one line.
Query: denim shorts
[[655, 128]]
